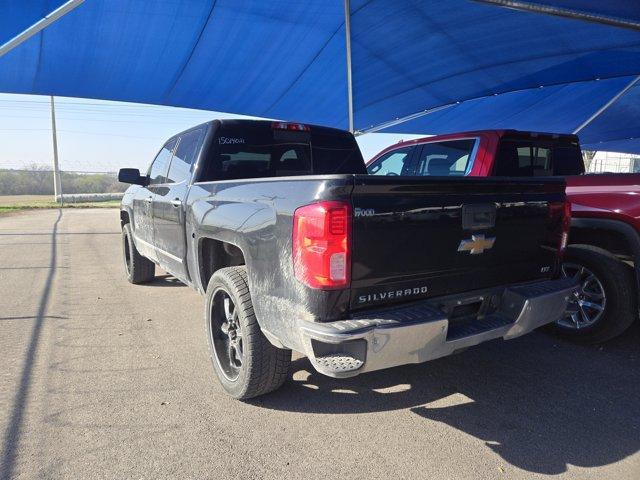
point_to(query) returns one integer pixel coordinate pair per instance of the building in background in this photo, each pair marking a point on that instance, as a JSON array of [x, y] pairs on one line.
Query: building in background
[[613, 162]]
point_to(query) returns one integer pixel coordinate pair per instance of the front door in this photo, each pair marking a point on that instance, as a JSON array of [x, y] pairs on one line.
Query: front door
[[143, 222], [169, 207], [143, 202]]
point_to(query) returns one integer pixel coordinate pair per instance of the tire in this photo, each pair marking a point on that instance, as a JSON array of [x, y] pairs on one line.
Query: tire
[[245, 362], [139, 269], [619, 305]]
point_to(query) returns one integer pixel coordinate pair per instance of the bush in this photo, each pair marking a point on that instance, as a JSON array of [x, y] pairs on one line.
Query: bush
[[39, 181]]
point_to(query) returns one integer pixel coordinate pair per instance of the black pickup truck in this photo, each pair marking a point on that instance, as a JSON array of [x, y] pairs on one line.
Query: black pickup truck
[[297, 248]]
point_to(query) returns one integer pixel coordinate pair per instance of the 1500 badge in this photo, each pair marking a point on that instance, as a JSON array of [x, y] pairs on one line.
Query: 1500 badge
[[405, 292]]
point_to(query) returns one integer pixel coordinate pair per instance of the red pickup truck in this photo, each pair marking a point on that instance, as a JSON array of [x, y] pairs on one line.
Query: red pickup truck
[[604, 250]]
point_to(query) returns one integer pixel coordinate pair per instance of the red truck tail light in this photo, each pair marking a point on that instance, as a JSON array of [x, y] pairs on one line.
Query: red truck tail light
[[562, 210], [322, 244]]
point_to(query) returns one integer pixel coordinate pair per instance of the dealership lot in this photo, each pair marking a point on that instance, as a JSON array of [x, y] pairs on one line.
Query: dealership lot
[[104, 379]]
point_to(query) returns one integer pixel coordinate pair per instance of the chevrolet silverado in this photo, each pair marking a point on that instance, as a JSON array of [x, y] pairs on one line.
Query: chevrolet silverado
[[295, 247]]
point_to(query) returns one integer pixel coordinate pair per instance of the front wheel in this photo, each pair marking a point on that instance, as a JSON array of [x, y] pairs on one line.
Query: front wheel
[[606, 304], [139, 269], [245, 362]]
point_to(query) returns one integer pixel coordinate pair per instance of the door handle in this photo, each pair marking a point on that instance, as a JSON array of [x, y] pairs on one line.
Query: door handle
[[176, 202], [148, 199]]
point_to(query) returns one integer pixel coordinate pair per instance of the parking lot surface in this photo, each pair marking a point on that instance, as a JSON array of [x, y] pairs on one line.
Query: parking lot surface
[[103, 379]]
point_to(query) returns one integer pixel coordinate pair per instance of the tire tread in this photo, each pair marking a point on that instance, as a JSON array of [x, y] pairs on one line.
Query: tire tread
[[142, 269], [268, 367]]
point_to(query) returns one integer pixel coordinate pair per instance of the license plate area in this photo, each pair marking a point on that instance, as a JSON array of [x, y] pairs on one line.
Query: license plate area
[[470, 315]]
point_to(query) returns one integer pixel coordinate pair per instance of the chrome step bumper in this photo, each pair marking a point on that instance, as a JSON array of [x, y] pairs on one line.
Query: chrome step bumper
[[422, 331]]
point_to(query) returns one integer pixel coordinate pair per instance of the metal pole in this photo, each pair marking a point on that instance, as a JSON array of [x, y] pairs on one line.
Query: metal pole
[[564, 12], [57, 185], [408, 118], [39, 25], [601, 110], [347, 36]]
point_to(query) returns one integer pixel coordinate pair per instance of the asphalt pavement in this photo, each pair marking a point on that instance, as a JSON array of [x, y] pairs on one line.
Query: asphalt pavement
[[103, 379]]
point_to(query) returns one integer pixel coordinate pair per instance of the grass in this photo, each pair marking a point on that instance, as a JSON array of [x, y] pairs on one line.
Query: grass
[[13, 203]]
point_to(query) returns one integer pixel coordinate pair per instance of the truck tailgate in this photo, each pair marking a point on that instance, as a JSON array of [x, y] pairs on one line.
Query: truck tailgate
[[418, 237]]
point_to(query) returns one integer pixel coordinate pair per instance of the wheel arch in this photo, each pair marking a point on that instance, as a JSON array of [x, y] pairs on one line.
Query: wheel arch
[[214, 254], [124, 217], [614, 236]]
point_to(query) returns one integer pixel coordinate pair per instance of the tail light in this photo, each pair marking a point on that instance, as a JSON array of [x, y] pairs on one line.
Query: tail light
[[322, 244], [563, 211]]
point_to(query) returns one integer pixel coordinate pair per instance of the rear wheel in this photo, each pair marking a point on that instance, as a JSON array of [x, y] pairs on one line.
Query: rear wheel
[[606, 304], [138, 268], [245, 362]]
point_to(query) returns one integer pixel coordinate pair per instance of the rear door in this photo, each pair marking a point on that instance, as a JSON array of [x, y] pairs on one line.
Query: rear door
[[415, 237], [169, 209], [143, 201]]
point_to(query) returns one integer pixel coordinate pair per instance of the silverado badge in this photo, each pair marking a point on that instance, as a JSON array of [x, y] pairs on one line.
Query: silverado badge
[[477, 244]]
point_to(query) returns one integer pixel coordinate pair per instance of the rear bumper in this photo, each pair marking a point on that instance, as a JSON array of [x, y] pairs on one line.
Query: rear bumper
[[425, 331]]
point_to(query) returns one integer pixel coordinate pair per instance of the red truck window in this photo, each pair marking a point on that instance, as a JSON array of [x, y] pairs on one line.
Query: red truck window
[[531, 158], [396, 162], [448, 158]]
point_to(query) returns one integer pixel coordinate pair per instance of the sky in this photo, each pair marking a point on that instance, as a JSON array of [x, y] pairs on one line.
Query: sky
[[104, 136]]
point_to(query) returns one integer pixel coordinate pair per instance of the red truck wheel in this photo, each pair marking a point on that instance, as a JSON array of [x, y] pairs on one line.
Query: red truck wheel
[[606, 304]]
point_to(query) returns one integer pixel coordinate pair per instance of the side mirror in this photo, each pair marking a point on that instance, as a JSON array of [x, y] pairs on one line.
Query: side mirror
[[132, 175]]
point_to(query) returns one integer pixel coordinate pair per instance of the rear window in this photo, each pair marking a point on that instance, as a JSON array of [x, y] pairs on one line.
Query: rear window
[[259, 150], [526, 158]]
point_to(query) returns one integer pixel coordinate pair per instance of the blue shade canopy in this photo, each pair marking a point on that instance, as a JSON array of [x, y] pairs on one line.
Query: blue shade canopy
[[286, 59], [558, 109], [15, 16]]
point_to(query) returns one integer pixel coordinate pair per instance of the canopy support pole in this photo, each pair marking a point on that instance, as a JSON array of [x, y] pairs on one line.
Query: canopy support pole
[[408, 118], [603, 108], [564, 12], [57, 184], [39, 25], [347, 36]]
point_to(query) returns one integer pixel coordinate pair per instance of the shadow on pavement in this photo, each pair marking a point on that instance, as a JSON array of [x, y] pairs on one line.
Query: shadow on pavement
[[165, 281], [538, 402], [12, 434], [56, 317]]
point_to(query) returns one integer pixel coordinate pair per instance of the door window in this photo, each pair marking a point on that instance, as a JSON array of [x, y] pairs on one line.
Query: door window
[[449, 158], [185, 156], [392, 163], [158, 170]]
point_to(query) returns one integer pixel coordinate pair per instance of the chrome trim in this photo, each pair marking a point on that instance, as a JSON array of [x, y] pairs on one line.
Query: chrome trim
[[170, 255], [138, 239], [395, 337], [477, 245], [159, 250]]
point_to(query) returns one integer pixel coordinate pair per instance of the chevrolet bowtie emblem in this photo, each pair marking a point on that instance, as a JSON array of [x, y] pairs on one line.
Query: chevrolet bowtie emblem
[[476, 245]]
